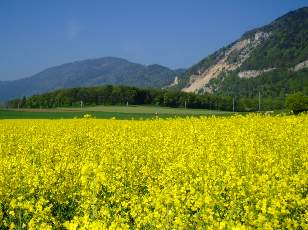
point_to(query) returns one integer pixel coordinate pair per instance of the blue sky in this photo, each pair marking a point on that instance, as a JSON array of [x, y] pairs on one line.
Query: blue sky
[[36, 34]]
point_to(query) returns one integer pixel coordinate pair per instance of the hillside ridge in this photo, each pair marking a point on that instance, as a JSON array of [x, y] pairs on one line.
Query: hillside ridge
[[281, 44], [89, 72]]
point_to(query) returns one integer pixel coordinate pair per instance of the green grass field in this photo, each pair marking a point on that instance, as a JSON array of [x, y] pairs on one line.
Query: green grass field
[[118, 112]]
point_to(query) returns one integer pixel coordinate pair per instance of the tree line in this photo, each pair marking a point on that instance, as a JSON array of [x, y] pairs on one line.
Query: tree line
[[123, 95]]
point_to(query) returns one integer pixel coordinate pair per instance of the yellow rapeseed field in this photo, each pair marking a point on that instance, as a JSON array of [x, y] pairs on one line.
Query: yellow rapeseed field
[[239, 172]]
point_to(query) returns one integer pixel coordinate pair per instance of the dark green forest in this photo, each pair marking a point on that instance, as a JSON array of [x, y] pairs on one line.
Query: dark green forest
[[275, 84], [287, 45], [122, 95]]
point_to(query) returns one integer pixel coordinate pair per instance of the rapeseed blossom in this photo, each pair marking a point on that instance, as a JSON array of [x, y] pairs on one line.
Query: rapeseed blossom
[[236, 172]]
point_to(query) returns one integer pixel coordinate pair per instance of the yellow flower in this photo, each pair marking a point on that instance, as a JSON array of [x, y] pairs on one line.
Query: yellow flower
[[236, 172]]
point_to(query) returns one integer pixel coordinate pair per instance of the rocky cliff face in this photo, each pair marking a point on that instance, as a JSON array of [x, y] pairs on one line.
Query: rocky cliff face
[[253, 73], [301, 65], [231, 60]]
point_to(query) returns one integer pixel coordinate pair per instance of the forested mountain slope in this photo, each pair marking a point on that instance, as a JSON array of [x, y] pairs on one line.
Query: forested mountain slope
[[274, 53]]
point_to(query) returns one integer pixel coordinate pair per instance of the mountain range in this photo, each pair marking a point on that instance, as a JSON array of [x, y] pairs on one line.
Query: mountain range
[[92, 72], [272, 59]]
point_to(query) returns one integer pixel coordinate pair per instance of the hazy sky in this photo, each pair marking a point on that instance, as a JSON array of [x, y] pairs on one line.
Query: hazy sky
[[36, 34]]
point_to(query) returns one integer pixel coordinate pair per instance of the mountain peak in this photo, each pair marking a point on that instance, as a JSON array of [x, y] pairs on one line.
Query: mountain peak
[[280, 44], [89, 72]]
